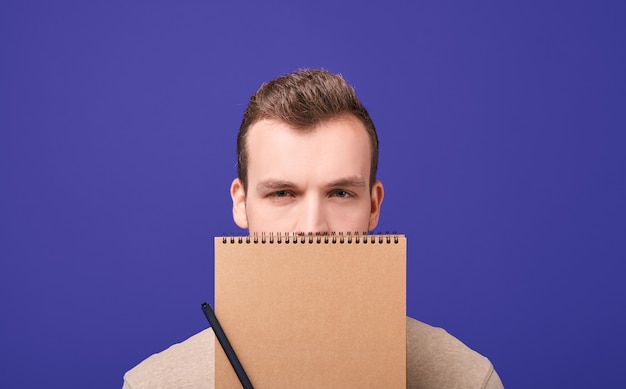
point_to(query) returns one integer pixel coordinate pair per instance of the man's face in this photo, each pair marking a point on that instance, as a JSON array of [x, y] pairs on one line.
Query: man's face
[[307, 181]]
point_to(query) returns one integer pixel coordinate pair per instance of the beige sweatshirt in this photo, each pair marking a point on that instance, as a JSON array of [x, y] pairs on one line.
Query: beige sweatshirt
[[435, 359]]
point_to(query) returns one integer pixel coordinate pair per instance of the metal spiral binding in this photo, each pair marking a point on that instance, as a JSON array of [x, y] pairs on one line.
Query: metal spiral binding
[[317, 238]]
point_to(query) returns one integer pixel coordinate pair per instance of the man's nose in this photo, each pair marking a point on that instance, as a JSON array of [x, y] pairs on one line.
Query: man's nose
[[313, 218]]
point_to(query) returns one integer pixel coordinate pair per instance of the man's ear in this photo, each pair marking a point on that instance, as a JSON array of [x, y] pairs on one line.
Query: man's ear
[[378, 192], [238, 194]]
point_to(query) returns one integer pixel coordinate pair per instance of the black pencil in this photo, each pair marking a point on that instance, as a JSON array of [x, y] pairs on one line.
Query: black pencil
[[228, 349]]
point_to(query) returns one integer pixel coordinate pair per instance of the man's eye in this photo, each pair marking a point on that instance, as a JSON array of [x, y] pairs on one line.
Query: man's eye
[[342, 193], [281, 193]]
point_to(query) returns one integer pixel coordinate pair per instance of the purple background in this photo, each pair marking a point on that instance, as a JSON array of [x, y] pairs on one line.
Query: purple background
[[502, 131]]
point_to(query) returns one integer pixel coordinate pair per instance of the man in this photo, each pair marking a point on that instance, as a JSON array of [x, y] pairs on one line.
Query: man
[[307, 160]]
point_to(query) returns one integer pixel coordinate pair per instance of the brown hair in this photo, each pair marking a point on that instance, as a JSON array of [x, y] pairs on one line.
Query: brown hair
[[303, 100]]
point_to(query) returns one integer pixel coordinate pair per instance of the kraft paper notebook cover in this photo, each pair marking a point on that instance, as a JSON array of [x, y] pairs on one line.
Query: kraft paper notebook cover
[[312, 311]]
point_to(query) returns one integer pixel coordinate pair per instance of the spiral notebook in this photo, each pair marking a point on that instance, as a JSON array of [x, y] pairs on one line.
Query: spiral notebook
[[312, 311]]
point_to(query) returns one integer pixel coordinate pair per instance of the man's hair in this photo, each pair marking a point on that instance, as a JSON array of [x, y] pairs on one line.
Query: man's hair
[[303, 100]]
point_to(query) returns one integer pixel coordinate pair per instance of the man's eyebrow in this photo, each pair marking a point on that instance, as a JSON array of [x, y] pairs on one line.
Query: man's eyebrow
[[348, 182], [272, 185]]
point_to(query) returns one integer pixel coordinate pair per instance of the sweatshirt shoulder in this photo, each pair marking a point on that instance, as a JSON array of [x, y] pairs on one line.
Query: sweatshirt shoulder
[[436, 359], [188, 364]]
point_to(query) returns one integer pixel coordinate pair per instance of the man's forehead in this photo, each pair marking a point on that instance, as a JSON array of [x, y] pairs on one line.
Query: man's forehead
[[332, 151]]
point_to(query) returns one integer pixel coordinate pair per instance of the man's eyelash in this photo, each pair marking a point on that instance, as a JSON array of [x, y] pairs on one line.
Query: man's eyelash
[[280, 193], [344, 193]]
